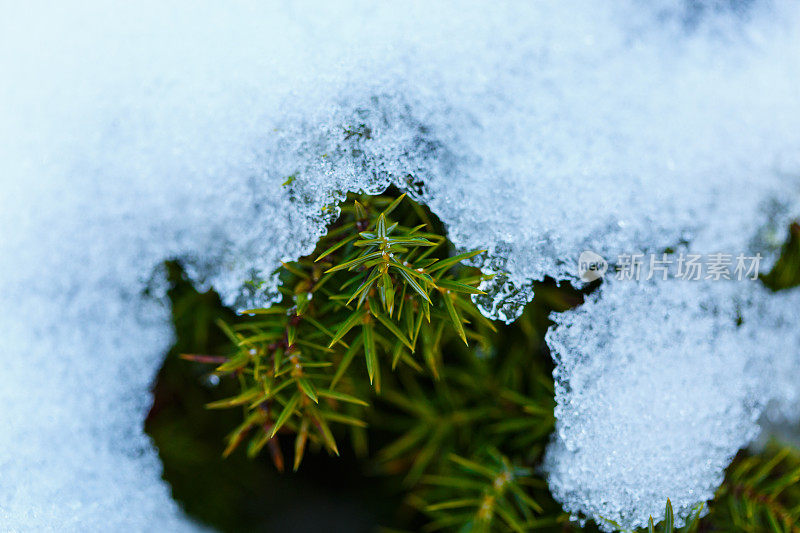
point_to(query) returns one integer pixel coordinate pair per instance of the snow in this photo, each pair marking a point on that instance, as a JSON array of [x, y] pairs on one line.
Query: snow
[[658, 387], [133, 134]]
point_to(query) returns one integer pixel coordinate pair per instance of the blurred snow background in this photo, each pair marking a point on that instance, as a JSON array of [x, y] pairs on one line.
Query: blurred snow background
[[130, 134]]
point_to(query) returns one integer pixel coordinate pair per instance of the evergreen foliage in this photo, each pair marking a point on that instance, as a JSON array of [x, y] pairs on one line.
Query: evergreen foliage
[[376, 342], [761, 493], [786, 273], [380, 293]]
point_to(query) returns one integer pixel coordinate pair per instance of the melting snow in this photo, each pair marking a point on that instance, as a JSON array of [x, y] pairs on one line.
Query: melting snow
[[129, 135]]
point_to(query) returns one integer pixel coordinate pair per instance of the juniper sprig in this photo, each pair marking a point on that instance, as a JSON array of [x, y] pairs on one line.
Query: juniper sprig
[[380, 292]]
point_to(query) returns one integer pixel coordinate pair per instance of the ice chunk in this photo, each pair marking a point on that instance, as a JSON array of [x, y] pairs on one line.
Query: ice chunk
[[658, 385], [129, 135]]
